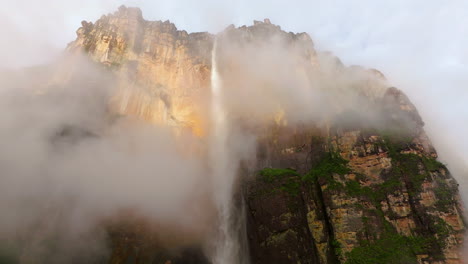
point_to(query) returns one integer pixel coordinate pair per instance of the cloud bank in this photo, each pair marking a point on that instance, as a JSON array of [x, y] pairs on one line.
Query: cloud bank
[[67, 165]]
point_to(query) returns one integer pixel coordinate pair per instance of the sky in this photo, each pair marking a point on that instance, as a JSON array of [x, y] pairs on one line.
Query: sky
[[420, 45]]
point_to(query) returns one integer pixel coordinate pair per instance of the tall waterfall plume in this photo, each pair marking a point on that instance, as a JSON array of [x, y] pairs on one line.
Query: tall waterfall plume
[[228, 248]]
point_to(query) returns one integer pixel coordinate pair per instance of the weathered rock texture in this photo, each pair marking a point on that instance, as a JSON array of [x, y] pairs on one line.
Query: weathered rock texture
[[366, 194], [164, 73], [357, 186]]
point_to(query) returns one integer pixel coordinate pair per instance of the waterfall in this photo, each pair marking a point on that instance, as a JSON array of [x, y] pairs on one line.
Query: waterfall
[[228, 244]]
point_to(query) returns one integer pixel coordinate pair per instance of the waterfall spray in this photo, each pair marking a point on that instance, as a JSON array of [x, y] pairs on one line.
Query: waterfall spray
[[227, 244]]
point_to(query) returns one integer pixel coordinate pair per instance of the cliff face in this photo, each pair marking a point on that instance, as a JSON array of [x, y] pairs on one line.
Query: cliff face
[[350, 187], [355, 194], [164, 73]]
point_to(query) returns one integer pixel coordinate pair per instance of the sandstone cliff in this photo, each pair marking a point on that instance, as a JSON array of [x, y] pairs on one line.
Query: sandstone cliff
[[360, 195], [164, 73], [342, 187]]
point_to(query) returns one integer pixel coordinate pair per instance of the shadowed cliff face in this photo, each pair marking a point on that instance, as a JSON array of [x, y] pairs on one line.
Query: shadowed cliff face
[[335, 166], [354, 193]]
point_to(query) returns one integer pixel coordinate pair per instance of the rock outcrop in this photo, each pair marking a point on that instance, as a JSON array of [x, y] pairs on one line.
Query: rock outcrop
[[356, 186], [164, 73], [368, 194]]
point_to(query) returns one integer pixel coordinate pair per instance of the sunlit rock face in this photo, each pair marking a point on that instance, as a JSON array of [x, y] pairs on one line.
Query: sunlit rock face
[[164, 73], [344, 171]]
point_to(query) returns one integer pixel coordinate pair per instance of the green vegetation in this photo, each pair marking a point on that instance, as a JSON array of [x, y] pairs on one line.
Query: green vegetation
[[387, 245], [395, 143], [406, 169], [432, 164], [329, 164], [444, 196], [407, 166], [391, 248], [416, 169], [443, 231], [270, 174], [337, 247], [291, 184], [353, 188], [411, 170]]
